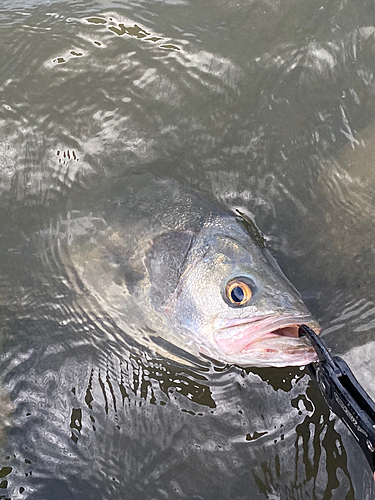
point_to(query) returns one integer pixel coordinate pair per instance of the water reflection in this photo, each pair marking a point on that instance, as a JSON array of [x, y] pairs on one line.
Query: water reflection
[[128, 421], [264, 108]]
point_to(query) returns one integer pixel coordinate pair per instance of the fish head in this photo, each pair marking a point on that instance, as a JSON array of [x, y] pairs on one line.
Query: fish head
[[234, 303]]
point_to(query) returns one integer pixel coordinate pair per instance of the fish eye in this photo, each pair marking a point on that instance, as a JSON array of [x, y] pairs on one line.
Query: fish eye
[[238, 292]]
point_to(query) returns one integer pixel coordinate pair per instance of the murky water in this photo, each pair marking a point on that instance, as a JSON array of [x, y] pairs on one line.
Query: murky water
[[263, 106]]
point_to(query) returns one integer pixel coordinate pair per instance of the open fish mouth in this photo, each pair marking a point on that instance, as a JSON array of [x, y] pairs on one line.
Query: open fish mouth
[[270, 340]]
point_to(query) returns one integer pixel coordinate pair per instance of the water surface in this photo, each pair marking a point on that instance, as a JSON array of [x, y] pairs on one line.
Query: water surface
[[267, 107]]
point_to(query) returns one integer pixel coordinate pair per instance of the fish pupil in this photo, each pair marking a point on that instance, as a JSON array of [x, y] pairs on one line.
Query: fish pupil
[[237, 294]]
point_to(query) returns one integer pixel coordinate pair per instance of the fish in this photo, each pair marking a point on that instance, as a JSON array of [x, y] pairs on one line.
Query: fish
[[200, 277]]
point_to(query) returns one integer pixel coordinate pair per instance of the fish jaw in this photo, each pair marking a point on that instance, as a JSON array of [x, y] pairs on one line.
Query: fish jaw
[[266, 341]]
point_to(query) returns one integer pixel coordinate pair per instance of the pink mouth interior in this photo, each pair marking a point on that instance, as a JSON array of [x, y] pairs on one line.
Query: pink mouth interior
[[287, 331], [245, 337]]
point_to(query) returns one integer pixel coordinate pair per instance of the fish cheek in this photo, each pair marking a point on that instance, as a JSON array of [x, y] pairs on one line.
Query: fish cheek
[[199, 300], [166, 261]]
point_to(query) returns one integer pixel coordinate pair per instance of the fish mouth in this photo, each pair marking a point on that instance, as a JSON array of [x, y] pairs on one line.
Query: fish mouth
[[267, 341]]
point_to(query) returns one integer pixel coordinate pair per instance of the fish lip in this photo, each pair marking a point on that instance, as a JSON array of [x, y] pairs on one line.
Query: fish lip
[[264, 327]]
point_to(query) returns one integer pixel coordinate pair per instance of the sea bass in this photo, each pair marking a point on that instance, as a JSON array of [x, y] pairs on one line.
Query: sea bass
[[201, 277]]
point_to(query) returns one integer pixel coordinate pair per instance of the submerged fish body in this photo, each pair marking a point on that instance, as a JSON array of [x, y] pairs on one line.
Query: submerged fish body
[[200, 276]]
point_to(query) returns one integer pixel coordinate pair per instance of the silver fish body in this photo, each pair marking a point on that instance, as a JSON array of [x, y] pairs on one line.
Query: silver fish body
[[201, 277]]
